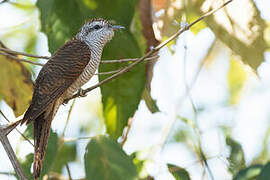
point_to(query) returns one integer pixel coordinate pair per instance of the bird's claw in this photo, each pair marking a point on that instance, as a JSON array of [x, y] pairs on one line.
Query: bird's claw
[[81, 93]]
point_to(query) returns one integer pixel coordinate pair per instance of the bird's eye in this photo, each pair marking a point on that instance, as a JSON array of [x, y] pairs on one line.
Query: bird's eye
[[97, 27]]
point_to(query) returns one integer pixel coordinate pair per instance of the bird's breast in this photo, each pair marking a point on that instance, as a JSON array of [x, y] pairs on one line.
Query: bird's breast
[[86, 75]]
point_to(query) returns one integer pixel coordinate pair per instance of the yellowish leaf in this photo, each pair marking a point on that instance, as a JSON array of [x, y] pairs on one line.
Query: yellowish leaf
[[237, 77], [15, 84]]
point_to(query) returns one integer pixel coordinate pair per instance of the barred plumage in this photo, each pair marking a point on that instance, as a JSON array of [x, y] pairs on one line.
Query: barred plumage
[[69, 68]]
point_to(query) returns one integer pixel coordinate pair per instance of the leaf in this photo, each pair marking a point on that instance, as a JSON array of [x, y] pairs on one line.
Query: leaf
[[236, 158], [67, 153], [105, 160], [51, 153], [121, 96], [178, 172], [16, 85], [249, 173], [244, 36], [237, 77], [26, 166], [60, 20], [265, 173], [29, 133]]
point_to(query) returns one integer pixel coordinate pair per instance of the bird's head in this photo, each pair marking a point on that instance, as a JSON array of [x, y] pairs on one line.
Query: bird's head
[[97, 31]]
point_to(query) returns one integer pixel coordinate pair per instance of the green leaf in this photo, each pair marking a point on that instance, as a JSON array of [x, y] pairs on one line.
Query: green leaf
[[236, 159], [51, 153], [121, 96], [105, 160], [60, 20], [16, 87], [26, 166], [265, 174], [29, 133], [178, 172], [66, 153], [249, 173]]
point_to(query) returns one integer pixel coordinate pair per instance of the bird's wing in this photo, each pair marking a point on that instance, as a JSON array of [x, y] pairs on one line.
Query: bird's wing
[[65, 66]]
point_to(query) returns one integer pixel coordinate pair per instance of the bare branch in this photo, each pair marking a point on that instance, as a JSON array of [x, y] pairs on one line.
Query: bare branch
[[148, 54], [128, 60], [23, 54], [78, 138], [127, 131], [7, 146], [20, 59], [16, 123], [109, 72], [69, 173], [68, 117]]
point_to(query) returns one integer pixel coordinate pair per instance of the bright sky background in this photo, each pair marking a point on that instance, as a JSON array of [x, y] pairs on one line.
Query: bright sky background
[[148, 129]]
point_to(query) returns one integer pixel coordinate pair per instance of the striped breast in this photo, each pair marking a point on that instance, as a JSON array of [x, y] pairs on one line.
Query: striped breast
[[86, 75]]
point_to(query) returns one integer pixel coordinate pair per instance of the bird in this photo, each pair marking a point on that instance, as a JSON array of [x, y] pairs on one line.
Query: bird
[[70, 67]]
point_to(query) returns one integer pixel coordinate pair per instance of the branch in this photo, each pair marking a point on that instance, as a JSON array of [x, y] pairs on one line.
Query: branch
[[20, 59], [23, 54], [127, 131], [16, 128], [148, 54], [128, 60], [4, 131], [68, 118], [108, 72]]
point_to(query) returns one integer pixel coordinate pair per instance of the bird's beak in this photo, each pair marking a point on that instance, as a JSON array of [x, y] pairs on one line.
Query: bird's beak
[[116, 27]]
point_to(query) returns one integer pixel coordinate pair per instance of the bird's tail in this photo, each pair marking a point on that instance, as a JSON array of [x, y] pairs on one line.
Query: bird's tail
[[42, 127]]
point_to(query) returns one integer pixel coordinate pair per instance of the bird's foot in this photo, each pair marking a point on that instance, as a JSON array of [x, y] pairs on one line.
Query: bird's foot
[[81, 93]]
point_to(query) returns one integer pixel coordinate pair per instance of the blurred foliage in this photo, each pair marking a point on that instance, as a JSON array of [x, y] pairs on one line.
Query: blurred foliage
[[265, 173], [236, 158], [244, 38], [178, 172], [105, 160], [249, 173], [26, 165], [237, 77], [16, 85], [66, 153], [258, 172]]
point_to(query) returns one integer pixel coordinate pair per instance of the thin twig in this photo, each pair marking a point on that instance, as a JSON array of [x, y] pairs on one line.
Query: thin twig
[[46, 58], [20, 59], [109, 72], [16, 129], [23, 53], [7, 146], [69, 173], [148, 54], [195, 112], [78, 138], [8, 173], [68, 117], [128, 60], [130, 120]]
